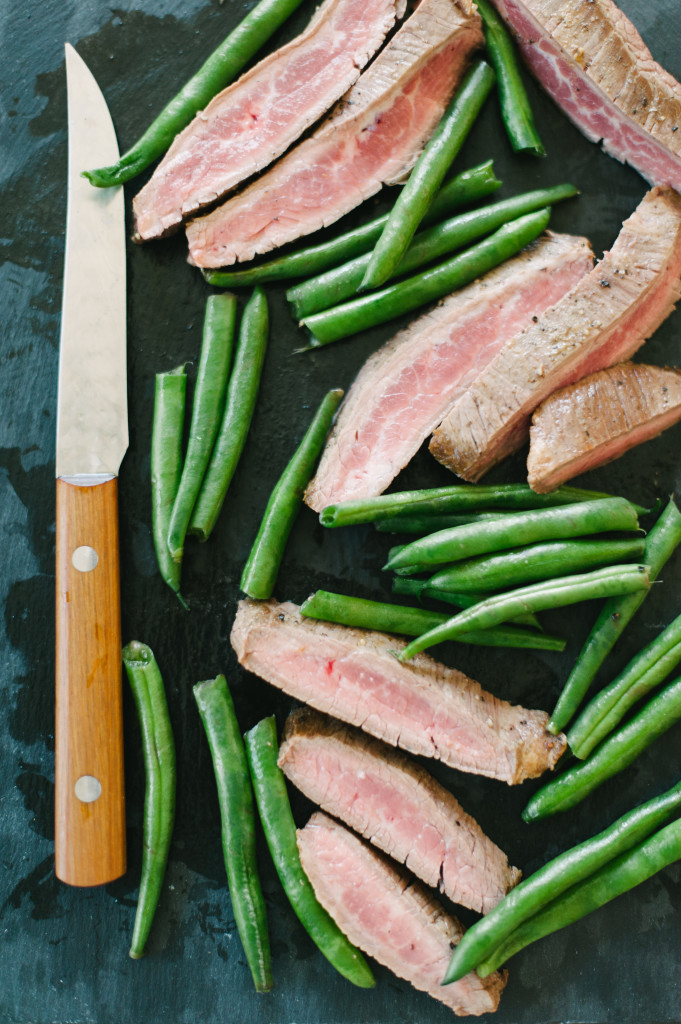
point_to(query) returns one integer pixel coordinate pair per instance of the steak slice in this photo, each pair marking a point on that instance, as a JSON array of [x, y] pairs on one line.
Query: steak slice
[[423, 707], [253, 121], [592, 61], [390, 916], [602, 321], [373, 138], [598, 419], [406, 388], [397, 805]]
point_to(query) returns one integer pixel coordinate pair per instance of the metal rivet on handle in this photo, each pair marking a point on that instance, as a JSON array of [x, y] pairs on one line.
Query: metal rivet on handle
[[84, 558], [87, 789]]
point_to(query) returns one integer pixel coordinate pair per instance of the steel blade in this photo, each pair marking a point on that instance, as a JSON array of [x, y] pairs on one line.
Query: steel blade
[[92, 420]]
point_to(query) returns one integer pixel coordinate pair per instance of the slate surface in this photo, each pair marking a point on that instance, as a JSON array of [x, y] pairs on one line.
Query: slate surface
[[64, 951]]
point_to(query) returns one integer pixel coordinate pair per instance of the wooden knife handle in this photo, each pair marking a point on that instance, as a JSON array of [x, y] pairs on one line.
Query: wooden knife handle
[[89, 786]]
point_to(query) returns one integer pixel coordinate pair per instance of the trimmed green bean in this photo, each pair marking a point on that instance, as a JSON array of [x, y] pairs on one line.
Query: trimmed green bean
[[615, 878], [237, 813], [612, 756], [454, 498], [415, 588], [279, 826], [260, 572], [533, 562], [557, 876], [643, 673], [520, 528], [516, 111], [434, 283], [207, 409], [242, 392], [613, 619], [466, 187], [158, 747], [166, 466], [393, 618], [555, 593], [221, 68], [342, 282], [427, 175]]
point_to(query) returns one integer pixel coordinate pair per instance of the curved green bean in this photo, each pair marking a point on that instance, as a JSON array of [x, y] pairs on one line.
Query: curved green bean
[[612, 756], [260, 572], [520, 528], [415, 588], [555, 593], [427, 175], [242, 392], [207, 408], [237, 813], [274, 808], [221, 68], [342, 282], [158, 746], [643, 673], [434, 283], [516, 111], [613, 619], [166, 466], [557, 876], [466, 187]]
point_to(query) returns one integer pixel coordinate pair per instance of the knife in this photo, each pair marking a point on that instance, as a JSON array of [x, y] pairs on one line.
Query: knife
[[92, 437]]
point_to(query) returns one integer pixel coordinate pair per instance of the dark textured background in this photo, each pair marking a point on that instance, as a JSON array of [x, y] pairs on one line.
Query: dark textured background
[[63, 952]]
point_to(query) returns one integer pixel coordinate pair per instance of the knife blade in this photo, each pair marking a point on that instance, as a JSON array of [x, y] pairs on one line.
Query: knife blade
[[92, 437]]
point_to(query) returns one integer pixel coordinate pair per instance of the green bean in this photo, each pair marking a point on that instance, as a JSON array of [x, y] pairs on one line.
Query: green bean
[[430, 523], [613, 619], [623, 873], [260, 572], [342, 282], [533, 562], [643, 673], [207, 408], [520, 528], [416, 588], [514, 101], [279, 826], [242, 391], [393, 618], [555, 593], [237, 813], [166, 466], [613, 755], [427, 175], [159, 796], [453, 498], [466, 187], [434, 283], [558, 876], [221, 68]]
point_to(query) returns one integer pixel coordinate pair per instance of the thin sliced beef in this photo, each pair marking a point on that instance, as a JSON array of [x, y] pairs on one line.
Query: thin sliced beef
[[406, 388], [602, 321], [592, 61], [423, 707], [397, 805], [252, 122], [598, 419], [373, 139], [390, 916]]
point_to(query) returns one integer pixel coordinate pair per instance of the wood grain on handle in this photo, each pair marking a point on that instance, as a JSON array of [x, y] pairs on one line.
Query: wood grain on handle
[[89, 833]]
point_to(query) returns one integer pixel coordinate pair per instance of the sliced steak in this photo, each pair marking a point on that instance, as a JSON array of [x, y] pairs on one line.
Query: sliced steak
[[602, 321], [390, 916], [407, 387], [592, 61], [373, 139], [252, 122], [397, 805], [422, 706], [598, 419]]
